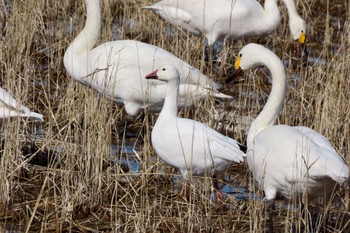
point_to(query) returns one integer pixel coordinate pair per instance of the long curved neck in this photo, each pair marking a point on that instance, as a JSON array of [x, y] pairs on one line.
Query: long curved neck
[[273, 16], [169, 109], [273, 106], [296, 23], [291, 8], [88, 37]]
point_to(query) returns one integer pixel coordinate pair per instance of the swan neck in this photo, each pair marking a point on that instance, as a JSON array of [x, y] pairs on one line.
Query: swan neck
[[291, 8], [170, 103], [274, 104], [273, 14], [88, 37]]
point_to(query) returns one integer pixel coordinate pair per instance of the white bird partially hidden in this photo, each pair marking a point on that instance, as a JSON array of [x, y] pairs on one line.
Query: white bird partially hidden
[[296, 162], [190, 146], [117, 69], [235, 19], [9, 107]]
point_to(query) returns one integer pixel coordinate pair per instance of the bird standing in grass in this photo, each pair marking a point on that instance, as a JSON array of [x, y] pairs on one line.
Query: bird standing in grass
[[117, 69], [190, 146], [296, 162]]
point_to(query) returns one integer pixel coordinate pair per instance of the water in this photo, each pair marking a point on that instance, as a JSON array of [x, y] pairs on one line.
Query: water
[[240, 193], [131, 160]]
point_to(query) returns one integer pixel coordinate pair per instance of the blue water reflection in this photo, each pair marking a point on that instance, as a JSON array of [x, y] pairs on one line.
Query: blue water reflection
[[130, 160]]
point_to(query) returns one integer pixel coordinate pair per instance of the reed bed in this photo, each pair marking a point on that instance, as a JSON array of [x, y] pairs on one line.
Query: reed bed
[[79, 187]]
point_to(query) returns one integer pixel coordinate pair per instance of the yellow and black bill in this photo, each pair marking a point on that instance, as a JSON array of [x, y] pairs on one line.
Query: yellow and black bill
[[302, 44], [237, 70]]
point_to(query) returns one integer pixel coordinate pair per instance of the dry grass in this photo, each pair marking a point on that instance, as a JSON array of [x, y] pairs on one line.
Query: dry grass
[[80, 189]]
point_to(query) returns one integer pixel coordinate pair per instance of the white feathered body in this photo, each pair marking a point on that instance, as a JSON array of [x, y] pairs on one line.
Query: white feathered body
[[117, 70], [300, 162], [193, 147], [217, 19]]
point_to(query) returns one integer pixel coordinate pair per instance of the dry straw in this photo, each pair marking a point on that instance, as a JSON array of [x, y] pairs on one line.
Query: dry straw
[[83, 189]]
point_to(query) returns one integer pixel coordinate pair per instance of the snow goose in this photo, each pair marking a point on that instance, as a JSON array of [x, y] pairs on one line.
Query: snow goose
[[190, 146], [219, 19], [296, 162], [10, 108], [117, 68]]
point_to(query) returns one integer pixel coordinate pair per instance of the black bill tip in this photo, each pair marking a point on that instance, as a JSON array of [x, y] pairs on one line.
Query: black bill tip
[[304, 51], [234, 74]]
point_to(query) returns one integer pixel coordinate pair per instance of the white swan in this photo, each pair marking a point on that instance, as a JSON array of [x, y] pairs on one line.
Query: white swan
[[296, 162], [117, 68], [219, 19], [10, 108], [190, 146]]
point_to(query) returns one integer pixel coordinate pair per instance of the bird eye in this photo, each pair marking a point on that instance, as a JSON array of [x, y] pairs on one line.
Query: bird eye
[[163, 69], [240, 55]]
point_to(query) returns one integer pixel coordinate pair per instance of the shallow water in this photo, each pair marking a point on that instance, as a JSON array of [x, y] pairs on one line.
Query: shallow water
[[132, 162]]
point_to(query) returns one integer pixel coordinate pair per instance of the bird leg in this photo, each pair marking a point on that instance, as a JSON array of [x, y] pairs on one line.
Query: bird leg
[[219, 195]]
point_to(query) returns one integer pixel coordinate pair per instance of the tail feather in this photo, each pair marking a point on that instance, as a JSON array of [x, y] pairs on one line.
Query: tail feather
[[218, 94], [33, 116]]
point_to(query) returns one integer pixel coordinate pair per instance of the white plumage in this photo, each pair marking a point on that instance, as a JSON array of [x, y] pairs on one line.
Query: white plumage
[[219, 19], [10, 108], [296, 162], [190, 146], [117, 68]]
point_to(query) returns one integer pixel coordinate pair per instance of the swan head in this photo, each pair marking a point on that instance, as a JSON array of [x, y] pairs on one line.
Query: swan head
[[249, 57], [166, 73], [254, 55], [297, 27]]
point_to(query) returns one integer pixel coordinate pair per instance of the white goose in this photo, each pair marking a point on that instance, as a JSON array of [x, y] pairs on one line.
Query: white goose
[[10, 108], [190, 146], [219, 19], [296, 162], [117, 68]]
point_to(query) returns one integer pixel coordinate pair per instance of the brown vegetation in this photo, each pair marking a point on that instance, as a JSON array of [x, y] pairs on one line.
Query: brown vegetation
[[81, 188]]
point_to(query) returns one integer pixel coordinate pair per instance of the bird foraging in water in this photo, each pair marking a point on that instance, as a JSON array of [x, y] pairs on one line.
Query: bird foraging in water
[[296, 162], [190, 146], [235, 19]]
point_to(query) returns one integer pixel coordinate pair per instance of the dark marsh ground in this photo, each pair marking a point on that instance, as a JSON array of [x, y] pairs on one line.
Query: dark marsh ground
[[80, 189]]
